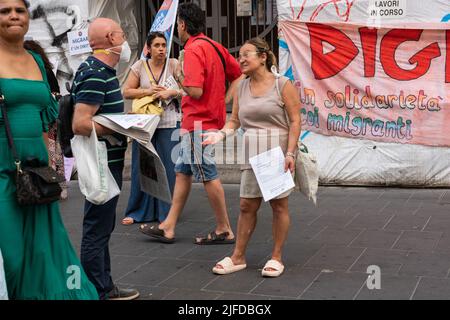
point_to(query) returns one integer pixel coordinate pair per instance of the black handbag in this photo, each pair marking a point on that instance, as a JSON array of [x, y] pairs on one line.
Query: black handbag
[[35, 184]]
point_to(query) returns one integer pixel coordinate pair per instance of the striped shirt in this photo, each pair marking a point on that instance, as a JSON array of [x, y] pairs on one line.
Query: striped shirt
[[97, 84]]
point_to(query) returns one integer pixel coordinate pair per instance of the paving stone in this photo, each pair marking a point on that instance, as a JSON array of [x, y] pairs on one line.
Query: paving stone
[[434, 210], [334, 258], [292, 284], [444, 198], [208, 253], [155, 272], [397, 194], [122, 265], [133, 246], [427, 194], [392, 288], [335, 286], [376, 239], [336, 206], [432, 289], [426, 264], [242, 297], [402, 222], [298, 255], [373, 222], [438, 223], [418, 241], [389, 261], [239, 282], [402, 207], [192, 295], [337, 236], [176, 250], [194, 277], [302, 220], [149, 293], [444, 243], [372, 205], [303, 233], [332, 221]]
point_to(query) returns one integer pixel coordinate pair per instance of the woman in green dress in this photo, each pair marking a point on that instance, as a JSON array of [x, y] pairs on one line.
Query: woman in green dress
[[40, 262]]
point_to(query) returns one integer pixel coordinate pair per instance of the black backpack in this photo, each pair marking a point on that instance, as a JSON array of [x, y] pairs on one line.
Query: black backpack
[[65, 117]]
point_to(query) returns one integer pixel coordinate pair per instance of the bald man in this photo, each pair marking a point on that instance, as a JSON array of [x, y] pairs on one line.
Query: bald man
[[96, 90]]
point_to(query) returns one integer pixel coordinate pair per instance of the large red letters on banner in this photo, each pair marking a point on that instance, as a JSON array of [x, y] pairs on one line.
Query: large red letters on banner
[[389, 44], [327, 65]]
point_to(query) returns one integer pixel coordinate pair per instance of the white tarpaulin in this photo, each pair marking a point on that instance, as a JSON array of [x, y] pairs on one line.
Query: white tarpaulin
[[362, 162]]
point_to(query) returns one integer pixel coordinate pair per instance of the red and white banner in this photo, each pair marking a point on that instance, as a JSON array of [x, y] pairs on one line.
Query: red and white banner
[[384, 84]]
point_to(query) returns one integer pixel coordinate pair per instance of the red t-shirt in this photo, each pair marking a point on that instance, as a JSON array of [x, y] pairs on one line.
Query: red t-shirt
[[204, 69]]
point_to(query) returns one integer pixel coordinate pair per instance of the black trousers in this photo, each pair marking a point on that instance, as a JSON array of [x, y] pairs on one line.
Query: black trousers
[[98, 225]]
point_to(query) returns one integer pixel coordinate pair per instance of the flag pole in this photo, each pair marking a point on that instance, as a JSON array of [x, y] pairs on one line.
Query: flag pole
[[170, 46]]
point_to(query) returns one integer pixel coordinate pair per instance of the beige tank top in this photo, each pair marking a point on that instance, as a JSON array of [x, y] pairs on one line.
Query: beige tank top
[[263, 120]]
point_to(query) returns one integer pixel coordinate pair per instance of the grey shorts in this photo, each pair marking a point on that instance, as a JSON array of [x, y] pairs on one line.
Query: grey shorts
[[250, 188]]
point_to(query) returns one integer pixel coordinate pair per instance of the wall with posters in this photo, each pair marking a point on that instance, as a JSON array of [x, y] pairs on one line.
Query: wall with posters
[[374, 79], [53, 20]]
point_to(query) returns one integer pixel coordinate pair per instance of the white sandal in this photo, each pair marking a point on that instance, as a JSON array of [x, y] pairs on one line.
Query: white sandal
[[228, 267], [277, 267]]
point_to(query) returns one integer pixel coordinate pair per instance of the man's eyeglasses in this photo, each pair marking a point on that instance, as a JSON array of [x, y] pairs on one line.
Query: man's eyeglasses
[[124, 35]]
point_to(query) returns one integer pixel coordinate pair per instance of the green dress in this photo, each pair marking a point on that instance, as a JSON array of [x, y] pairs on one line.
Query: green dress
[[40, 262]]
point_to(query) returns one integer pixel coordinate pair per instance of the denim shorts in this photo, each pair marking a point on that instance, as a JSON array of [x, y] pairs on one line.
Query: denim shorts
[[196, 160]]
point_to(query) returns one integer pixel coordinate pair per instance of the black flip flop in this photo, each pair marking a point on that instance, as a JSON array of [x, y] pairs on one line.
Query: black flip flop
[[154, 232], [215, 239]]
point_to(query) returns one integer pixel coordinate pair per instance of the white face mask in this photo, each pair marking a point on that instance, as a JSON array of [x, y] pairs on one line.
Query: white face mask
[[125, 54]]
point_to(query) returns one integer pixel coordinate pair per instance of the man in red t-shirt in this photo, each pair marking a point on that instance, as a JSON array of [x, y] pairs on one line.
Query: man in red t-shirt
[[207, 65]]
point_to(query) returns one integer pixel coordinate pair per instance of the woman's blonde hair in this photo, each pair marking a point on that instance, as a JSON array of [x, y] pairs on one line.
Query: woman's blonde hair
[[263, 47]]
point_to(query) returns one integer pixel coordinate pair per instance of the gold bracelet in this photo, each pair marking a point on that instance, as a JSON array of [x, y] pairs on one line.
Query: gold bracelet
[[290, 154]]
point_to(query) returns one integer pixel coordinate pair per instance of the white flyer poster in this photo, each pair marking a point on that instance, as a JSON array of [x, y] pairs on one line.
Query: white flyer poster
[[78, 42], [269, 171]]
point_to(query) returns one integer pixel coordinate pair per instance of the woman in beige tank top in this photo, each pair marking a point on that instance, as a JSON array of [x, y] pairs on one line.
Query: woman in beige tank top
[[259, 108]]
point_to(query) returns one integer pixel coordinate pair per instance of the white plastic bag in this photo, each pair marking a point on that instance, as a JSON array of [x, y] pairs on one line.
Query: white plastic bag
[[306, 166], [307, 173], [96, 181], [3, 291]]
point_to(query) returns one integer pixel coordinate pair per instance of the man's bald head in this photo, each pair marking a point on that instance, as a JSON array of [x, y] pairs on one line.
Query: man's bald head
[[104, 33]]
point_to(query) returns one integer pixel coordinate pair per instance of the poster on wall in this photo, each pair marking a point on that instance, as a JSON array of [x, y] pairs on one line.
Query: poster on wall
[[384, 84], [78, 42], [244, 8], [262, 11], [51, 22]]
